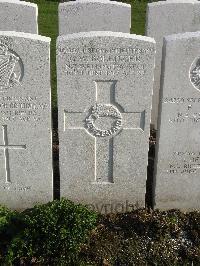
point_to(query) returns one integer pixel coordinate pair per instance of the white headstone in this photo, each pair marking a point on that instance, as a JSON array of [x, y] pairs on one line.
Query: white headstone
[[18, 16], [178, 152], [105, 85], [165, 18], [90, 15], [25, 120]]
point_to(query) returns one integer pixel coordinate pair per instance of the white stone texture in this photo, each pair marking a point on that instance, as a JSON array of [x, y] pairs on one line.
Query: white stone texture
[[177, 162], [18, 16], [25, 120], [165, 18], [89, 15], [105, 83]]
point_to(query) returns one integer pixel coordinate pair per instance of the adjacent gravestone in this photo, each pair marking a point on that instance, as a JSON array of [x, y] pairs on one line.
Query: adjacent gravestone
[[94, 15], [165, 18], [25, 120], [105, 84], [18, 16], [178, 154]]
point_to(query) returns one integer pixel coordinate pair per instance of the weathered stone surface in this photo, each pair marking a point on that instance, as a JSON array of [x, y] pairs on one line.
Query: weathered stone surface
[[18, 16], [178, 154], [105, 84], [25, 120], [90, 15], [165, 18]]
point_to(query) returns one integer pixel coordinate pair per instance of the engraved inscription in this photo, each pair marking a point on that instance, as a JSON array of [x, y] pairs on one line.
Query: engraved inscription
[[103, 110], [11, 66], [12, 188], [71, 10], [92, 61], [181, 100], [6, 147], [187, 109], [186, 162], [18, 108]]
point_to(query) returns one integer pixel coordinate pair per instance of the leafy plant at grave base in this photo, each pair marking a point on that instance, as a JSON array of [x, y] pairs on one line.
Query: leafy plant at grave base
[[11, 223], [56, 234], [53, 234]]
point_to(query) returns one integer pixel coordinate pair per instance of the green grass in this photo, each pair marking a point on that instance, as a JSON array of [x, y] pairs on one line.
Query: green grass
[[138, 17], [48, 26]]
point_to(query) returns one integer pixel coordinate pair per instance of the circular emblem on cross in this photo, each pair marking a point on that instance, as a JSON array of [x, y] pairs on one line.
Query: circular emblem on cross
[[104, 120]]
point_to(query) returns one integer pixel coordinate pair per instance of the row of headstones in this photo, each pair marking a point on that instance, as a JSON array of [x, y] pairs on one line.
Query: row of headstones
[[105, 82]]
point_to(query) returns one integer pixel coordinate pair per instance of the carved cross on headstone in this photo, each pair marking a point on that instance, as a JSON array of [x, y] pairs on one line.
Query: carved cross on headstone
[[105, 119], [6, 148]]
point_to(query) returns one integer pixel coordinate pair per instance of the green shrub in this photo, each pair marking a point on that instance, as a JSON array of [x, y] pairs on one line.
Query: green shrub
[[56, 234], [53, 234], [11, 223], [5, 217]]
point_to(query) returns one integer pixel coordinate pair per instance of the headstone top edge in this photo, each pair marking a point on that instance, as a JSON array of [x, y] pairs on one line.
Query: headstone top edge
[[92, 2], [180, 36], [105, 34], [25, 35], [169, 2], [17, 2]]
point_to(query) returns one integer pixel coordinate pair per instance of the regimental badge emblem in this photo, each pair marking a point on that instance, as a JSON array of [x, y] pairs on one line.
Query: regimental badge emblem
[[99, 111], [11, 67], [195, 73]]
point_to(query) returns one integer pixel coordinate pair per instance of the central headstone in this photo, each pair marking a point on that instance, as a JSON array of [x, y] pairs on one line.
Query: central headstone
[[94, 15], [25, 120], [18, 16], [104, 97]]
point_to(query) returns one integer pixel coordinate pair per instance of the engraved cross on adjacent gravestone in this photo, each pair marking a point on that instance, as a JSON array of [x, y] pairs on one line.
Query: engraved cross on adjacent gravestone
[[105, 119], [6, 148]]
